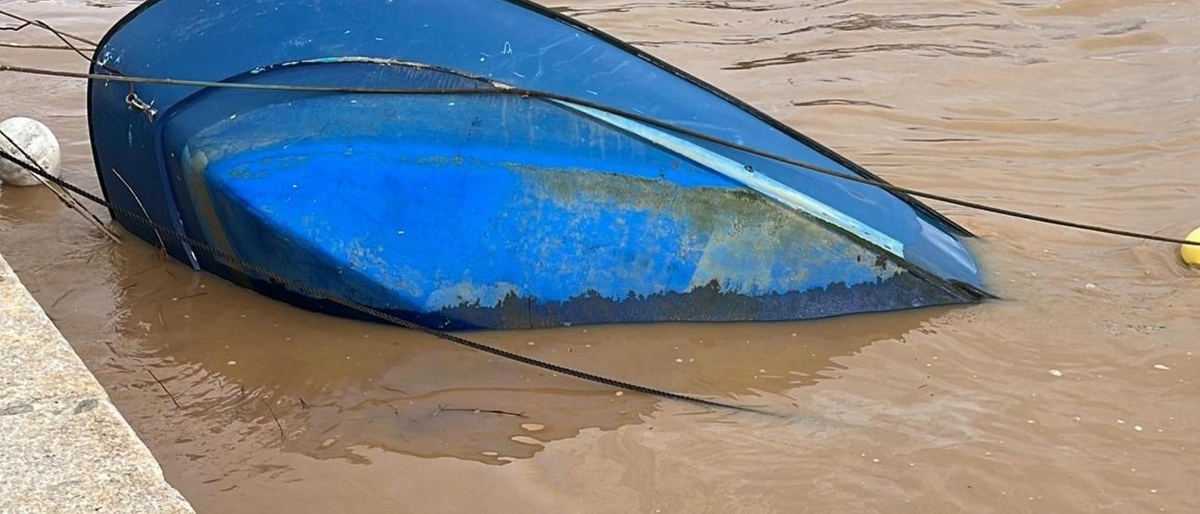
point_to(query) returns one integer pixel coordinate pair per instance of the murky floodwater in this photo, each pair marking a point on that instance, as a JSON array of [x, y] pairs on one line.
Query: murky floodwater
[[1076, 393]]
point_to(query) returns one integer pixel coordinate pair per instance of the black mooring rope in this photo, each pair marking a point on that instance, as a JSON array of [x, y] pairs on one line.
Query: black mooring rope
[[527, 93], [500, 91], [26, 22], [319, 294], [311, 291], [65, 37]]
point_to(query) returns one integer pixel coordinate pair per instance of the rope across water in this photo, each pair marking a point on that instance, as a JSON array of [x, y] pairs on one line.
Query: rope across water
[[532, 94], [319, 294], [115, 76]]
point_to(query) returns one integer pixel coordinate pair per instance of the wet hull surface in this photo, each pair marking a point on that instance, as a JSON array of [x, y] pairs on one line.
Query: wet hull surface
[[482, 211]]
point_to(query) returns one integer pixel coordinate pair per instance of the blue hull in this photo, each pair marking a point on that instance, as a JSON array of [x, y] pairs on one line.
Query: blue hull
[[485, 211]]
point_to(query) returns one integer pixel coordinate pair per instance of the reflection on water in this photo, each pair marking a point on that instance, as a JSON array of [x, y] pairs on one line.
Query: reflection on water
[[336, 385], [1076, 393]]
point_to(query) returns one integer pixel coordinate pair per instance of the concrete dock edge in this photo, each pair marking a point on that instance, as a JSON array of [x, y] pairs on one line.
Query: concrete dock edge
[[64, 447]]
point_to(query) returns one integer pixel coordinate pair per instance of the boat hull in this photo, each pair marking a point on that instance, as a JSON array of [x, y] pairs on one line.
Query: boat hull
[[498, 211]]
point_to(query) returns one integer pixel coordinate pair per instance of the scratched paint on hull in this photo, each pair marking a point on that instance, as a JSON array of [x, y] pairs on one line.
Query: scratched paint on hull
[[344, 45], [546, 246], [735, 237], [470, 212]]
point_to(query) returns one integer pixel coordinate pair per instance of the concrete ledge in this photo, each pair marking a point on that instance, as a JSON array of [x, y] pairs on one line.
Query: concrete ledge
[[63, 446]]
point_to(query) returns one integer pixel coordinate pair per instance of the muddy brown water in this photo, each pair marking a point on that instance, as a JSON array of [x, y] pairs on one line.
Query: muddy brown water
[[1075, 393]]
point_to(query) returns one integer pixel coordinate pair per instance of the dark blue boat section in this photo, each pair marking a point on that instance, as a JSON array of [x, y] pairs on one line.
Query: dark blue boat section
[[473, 211]]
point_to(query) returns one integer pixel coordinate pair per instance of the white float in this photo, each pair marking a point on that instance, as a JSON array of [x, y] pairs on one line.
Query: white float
[[37, 141]]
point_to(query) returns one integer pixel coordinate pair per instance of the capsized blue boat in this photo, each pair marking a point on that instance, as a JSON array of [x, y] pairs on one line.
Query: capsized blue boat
[[470, 210]]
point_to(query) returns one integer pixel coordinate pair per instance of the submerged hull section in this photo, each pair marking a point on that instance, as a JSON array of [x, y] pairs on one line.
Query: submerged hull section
[[484, 211]]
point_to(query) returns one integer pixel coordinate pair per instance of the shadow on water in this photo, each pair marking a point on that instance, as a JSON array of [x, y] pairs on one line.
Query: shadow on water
[[236, 361]]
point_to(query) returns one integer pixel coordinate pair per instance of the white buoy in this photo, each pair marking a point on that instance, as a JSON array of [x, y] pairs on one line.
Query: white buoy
[[37, 141]]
